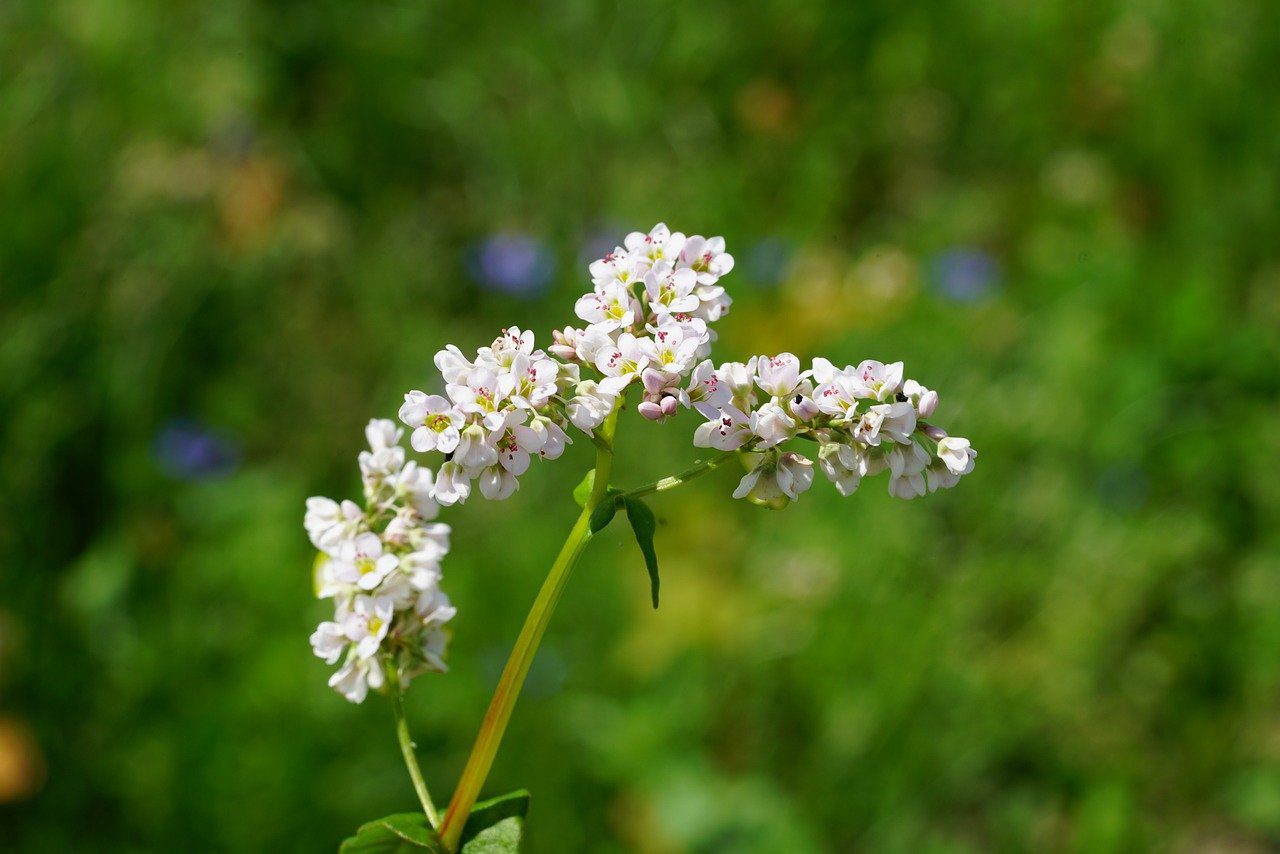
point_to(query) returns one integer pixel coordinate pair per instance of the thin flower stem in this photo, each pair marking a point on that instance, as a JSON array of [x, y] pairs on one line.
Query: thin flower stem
[[672, 481], [406, 746], [517, 668]]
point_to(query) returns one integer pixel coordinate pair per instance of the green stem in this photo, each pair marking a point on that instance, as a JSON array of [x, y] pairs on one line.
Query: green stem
[[513, 675], [406, 746], [672, 481]]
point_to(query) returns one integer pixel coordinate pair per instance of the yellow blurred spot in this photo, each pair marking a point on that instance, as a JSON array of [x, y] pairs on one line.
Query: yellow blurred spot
[[765, 107], [22, 768], [250, 200]]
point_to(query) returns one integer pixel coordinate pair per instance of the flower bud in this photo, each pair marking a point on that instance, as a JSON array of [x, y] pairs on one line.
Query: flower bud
[[650, 410], [928, 404]]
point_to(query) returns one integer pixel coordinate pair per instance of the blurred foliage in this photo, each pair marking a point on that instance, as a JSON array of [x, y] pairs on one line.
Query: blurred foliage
[[261, 220]]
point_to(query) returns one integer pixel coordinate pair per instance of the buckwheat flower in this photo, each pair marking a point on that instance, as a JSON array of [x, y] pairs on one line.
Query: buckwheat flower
[[354, 679], [776, 480], [474, 449], [617, 267], [422, 569], [434, 420], [772, 425], [478, 395], [924, 400], [566, 343], [706, 257], [589, 406], [938, 476], [515, 442], [329, 641], [453, 486], [453, 366], [842, 466], [907, 464], [502, 353], [498, 483], [670, 348], [661, 394], [713, 302], [530, 383], [670, 291], [660, 244], [897, 421], [956, 454], [622, 362], [590, 342], [551, 436], [361, 562], [328, 523], [385, 457], [728, 431], [778, 375], [739, 378], [413, 487], [877, 380], [706, 393], [368, 623], [610, 308]]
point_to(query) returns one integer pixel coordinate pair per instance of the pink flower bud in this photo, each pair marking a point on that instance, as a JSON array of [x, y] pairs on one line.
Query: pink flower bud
[[668, 405], [928, 404], [934, 432], [803, 407], [650, 410]]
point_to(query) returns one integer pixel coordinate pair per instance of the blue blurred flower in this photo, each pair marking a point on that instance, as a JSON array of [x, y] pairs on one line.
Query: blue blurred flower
[[964, 274], [513, 264], [188, 450], [767, 261]]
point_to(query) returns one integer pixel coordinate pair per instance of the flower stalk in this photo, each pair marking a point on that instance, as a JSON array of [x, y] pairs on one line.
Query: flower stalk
[[406, 746], [507, 692]]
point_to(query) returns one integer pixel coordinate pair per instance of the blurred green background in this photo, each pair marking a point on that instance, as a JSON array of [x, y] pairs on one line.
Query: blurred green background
[[232, 232]]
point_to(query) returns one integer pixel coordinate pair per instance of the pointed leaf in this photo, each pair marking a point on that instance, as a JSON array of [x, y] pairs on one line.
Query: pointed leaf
[[496, 826], [317, 572], [644, 525], [603, 514], [403, 833]]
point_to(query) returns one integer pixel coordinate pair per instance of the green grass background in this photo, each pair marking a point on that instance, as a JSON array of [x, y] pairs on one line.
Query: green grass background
[[257, 215]]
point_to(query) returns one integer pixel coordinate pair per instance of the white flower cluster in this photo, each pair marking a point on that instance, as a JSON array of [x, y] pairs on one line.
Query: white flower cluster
[[864, 419], [648, 316], [498, 412], [380, 565]]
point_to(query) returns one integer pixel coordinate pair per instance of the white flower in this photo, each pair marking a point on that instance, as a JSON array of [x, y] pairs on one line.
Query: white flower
[[551, 437], [422, 569], [739, 378], [361, 562], [328, 523], [671, 291], [356, 677], [502, 353], [776, 480], [414, 486], [609, 308], [877, 380], [619, 266], [434, 420], [728, 431], [660, 244], [844, 465], [778, 375], [706, 257], [529, 384], [453, 366], [478, 394], [772, 425], [706, 393], [670, 349], [329, 641], [622, 362], [895, 420], [906, 470], [474, 448], [453, 486], [590, 406], [924, 400], [498, 483], [368, 623], [956, 454], [516, 443]]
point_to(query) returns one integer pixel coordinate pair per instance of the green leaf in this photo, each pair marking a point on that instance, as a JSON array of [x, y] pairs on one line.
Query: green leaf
[[403, 833], [582, 491], [603, 514], [644, 525], [317, 572], [496, 826]]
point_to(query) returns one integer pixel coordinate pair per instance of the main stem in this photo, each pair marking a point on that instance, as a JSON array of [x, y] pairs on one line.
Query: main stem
[[406, 747], [535, 625]]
